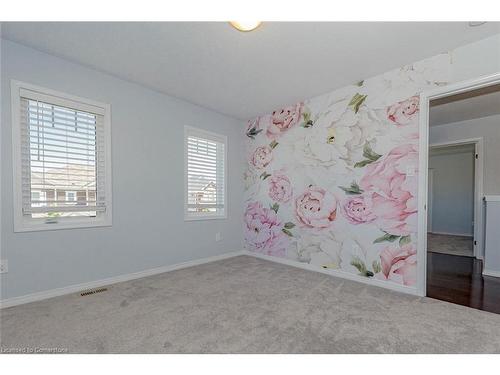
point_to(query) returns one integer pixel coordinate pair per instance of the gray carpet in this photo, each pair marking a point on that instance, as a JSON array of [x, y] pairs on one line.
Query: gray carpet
[[249, 305], [452, 245]]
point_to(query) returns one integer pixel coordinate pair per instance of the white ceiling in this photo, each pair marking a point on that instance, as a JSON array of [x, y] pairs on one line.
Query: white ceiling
[[465, 109], [245, 74]]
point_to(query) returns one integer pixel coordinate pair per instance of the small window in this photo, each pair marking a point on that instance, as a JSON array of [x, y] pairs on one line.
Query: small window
[[61, 159], [205, 174], [38, 198], [71, 196]]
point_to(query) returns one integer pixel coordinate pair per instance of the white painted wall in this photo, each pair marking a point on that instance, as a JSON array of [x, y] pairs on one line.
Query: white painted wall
[[492, 253], [486, 127], [453, 190], [147, 150]]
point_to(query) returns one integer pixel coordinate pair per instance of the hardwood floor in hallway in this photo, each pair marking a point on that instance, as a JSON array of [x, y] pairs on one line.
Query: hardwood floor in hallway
[[458, 279]]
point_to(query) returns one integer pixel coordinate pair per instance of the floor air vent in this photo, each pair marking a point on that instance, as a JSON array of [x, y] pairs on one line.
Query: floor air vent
[[93, 291]]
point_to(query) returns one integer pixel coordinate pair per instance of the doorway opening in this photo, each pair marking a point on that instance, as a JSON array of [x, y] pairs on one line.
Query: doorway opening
[[454, 198], [460, 125]]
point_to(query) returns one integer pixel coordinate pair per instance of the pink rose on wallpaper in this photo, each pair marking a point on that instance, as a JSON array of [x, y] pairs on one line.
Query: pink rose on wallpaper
[[393, 193], [399, 264], [280, 188], [283, 119], [316, 208], [403, 113], [358, 209], [264, 230], [261, 157]]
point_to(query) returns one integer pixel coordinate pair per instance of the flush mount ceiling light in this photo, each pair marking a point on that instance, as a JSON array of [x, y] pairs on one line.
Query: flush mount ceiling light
[[476, 23], [245, 25]]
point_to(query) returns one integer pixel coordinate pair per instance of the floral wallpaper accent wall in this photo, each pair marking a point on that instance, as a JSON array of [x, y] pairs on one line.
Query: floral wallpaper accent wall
[[332, 181]]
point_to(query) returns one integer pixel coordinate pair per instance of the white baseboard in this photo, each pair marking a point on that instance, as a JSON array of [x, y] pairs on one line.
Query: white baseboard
[[9, 302], [339, 273], [453, 234], [491, 273]]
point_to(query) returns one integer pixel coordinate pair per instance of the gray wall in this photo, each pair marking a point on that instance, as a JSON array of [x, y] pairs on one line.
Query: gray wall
[[486, 127], [147, 151], [453, 190]]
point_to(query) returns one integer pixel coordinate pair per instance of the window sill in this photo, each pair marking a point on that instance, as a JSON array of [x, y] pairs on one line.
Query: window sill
[[34, 226]]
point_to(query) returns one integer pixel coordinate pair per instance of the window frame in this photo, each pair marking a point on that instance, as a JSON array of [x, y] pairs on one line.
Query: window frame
[[23, 223], [189, 216]]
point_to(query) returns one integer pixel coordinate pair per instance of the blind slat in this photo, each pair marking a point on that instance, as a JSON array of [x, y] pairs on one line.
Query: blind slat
[[62, 155], [204, 174]]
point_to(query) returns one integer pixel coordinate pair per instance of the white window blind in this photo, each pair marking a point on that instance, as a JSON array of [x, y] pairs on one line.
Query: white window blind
[[205, 174], [62, 156]]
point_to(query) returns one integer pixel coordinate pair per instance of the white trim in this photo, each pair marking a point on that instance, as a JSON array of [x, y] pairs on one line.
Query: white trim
[[492, 198], [23, 224], [216, 137], [338, 273], [452, 234], [491, 273], [430, 203], [425, 98], [9, 302]]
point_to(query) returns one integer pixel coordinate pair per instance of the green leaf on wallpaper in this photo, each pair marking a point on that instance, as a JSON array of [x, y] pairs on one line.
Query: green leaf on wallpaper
[[273, 144], [264, 175], [308, 122], [359, 264], [369, 153], [376, 266], [356, 101], [386, 238], [353, 189], [287, 232], [275, 207], [363, 163], [404, 240], [289, 225], [306, 115], [253, 132]]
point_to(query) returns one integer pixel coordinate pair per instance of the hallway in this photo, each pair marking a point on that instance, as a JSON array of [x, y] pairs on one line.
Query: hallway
[[458, 279]]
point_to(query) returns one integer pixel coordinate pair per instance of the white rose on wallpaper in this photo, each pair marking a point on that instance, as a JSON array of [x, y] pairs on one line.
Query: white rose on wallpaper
[[322, 147], [400, 84], [365, 126], [250, 179], [322, 250], [338, 136], [360, 256]]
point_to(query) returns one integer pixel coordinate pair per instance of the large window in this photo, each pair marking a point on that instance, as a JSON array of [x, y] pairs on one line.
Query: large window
[[205, 174], [61, 160]]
